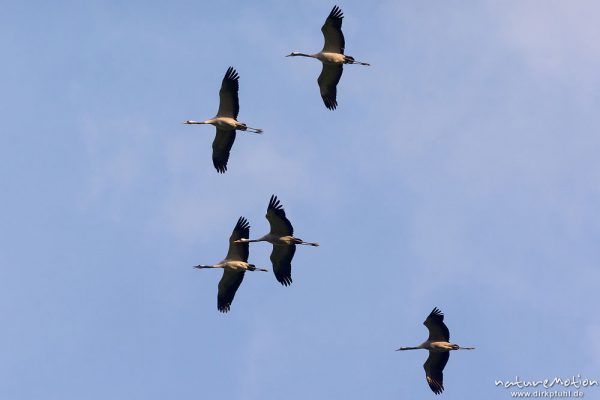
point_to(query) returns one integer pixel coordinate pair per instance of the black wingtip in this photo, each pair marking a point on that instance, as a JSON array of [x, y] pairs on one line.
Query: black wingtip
[[436, 312], [242, 223], [330, 103], [336, 12], [221, 168], [435, 386], [224, 308], [437, 390], [274, 203], [285, 280], [231, 74]]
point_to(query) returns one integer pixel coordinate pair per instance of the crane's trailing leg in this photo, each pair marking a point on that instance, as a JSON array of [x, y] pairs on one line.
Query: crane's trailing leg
[[310, 244], [252, 267], [300, 241], [351, 60], [244, 127]]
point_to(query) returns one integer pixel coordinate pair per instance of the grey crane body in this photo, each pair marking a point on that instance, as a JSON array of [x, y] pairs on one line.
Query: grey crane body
[[225, 124], [278, 240], [226, 121], [234, 266], [282, 238], [439, 346], [329, 58], [332, 57]]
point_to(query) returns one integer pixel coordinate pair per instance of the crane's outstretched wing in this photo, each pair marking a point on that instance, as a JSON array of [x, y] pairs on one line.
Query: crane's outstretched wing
[[229, 104], [281, 258], [228, 285], [221, 148], [332, 32], [280, 225], [434, 370], [239, 251], [438, 331], [328, 80]]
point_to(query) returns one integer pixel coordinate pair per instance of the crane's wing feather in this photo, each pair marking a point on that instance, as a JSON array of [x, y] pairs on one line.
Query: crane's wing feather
[[280, 225], [434, 370], [221, 148], [438, 331], [239, 251], [229, 104], [328, 80], [332, 32], [228, 285], [281, 258]]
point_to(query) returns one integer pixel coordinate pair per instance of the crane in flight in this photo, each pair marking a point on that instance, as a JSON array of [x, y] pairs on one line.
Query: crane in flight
[[439, 346], [332, 56], [282, 238], [226, 120], [234, 266]]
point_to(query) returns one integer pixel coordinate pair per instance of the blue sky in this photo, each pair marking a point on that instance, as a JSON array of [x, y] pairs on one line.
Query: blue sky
[[460, 171]]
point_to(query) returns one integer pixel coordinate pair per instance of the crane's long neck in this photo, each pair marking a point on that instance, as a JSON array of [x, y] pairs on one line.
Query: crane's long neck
[[190, 122], [295, 54], [409, 348], [206, 266], [249, 240]]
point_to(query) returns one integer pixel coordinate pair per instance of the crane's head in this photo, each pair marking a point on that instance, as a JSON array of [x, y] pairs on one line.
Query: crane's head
[[293, 53]]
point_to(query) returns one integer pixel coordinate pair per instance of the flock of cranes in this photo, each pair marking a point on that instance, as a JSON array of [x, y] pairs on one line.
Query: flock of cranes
[[333, 59], [281, 234], [236, 261]]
